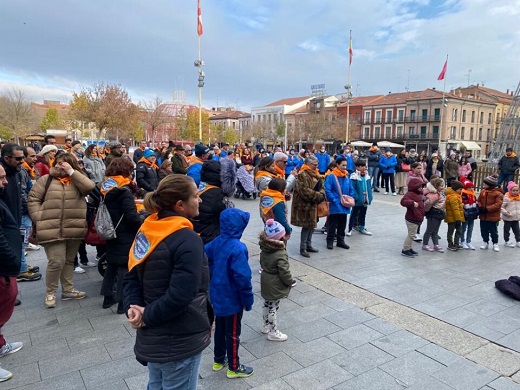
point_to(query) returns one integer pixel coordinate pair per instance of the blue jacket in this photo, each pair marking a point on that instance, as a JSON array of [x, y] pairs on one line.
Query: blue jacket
[[323, 161], [230, 287], [362, 186], [351, 165], [332, 193], [194, 173], [373, 157], [388, 164], [293, 162]]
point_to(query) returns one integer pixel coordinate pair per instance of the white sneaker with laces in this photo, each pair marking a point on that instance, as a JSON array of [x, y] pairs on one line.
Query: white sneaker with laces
[[5, 375], [510, 244], [32, 247], [470, 246], [276, 336], [465, 246], [496, 248], [89, 264], [485, 245], [9, 348], [394, 193], [79, 270], [348, 234], [386, 193], [365, 232], [266, 329]]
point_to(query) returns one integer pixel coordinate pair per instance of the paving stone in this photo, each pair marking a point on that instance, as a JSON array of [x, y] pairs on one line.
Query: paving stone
[[56, 332], [411, 368], [504, 384], [381, 326], [137, 382], [118, 384], [220, 381], [106, 373], [120, 348], [501, 360], [32, 354], [375, 379], [502, 322], [69, 316], [69, 362], [484, 331], [98, 337], [261, 347], [313, 377], [349, 318], [309, 298], [107, 322], [273, 366], [312, 312], [465, 375], [337, 304], [278, 384], [430, 383], [484, 307], [355, 336], [312, 330], [70, 381], [314, 351], [439, 354], [512, 340], [461, 317], [399, 343], [22, 376], [361, 359]]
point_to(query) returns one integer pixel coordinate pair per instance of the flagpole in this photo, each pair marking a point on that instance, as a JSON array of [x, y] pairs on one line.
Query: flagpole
[[349, 94], [442, 107], [200, 95]]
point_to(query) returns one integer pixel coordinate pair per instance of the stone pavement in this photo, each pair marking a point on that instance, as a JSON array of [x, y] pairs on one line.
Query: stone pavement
[[366, 318]]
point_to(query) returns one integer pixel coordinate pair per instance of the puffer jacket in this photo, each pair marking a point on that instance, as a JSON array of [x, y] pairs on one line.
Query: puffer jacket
[[414, 194], [95, 168], [373, 157], [510, 209], [276, 278], [454, 208], [490, 203], [388, 164], [172, 286], [146, 177], [10, 243], [12, 192], [230, 288], [304, 210], [508, 165], [433, 198], [323, 161], [61, 213], [362, 188], [332, 193]]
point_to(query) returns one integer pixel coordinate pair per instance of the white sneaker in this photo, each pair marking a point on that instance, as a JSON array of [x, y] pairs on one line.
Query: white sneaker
[[32, 247], [9, 348], [365, 232], [510, 244], [348, 234], [496, 248], [266, 329], [394, 193], [5, 375], [470, 246], [485, 245], [518, 244], [79, 270], [89, 264], [465, 246], [386, 193], [276, 336]]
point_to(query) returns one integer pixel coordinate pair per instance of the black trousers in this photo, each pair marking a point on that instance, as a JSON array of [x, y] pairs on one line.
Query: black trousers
[[515, 227], [337, 223], [357, 217], [389, 178], [453, 227], [227, 339], [107, 287], [489, 228]]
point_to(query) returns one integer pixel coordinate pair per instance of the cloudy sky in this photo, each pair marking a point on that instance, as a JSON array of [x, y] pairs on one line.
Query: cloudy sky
[[256, 51]]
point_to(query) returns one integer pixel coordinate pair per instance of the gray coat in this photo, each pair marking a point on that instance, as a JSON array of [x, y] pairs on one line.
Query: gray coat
[[95, 168]]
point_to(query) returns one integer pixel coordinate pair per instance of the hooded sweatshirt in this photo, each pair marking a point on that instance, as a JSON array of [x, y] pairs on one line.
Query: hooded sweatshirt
[[414, 194]]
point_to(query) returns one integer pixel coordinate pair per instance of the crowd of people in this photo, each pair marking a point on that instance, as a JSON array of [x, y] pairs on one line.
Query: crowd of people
[[175, 265]]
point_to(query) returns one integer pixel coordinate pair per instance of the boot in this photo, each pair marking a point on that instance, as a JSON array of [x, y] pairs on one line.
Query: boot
[[312, 250], [330, 245], [120, 308], [304, 253], [342, 244], [108, 301]]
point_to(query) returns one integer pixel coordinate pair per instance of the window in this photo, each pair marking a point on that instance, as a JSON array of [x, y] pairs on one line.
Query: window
[[411, 131], [481, 118], [480, 134], [471, 134], [377, 131], [358, 116], [454, 114], [423, 131], [400, 115], [388, 116], [453, 132], [472, 116], [490, 116], [367, 116], [463, 116], [424, 115], [388, 132], [366, 132], [437, 114], [269, 117], [412, 115], [378, 116], [462, 131], [435, 132], [399, 131], [488, 135]]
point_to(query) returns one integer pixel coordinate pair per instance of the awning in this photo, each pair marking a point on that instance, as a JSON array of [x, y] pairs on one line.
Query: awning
[[361, 143], [470, 145], [388, 144]]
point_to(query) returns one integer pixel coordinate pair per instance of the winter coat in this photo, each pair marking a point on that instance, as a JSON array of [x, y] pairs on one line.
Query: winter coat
[[12, 192], [451, 169], [146, 177], [230, 288], [293, 162], [508, 165], [138, 153], [194, 172], [25, 185], [429, 168], [95, 168], [276, 278], [323, 161], [120, 203], [362, 188], [172, 286], [10, 242], [510, 209], [162, 173], [179, 164], [464, 170], [373, 157], [388, 163], [433, 199], [61, 213], [414, 194], [454, 208], [402, 159], [307, 194], [332, 193], [490, 204], [469, 202], [42, 165]]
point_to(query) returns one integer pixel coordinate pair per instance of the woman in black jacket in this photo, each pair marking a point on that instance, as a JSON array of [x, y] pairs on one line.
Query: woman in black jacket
[[166, 288], [118, 191]]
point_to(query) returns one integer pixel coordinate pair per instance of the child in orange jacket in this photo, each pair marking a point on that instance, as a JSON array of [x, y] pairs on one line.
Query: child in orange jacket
[[489, 205], [454, 214]]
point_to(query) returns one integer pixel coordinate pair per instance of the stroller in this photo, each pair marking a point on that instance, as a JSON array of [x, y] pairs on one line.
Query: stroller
[[245, 187]]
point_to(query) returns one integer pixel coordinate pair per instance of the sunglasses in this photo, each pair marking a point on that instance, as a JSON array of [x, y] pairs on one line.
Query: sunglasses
[[16, 158]]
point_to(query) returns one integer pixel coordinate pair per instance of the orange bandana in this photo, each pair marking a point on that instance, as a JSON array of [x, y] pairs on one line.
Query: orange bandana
[[152, 232], [203, 187], [151, 164], [260, 174], [513, 198], [112, 182], [305, 167], [270, 198], [337, 172], [31, 171], [64, 180], [280, 172]]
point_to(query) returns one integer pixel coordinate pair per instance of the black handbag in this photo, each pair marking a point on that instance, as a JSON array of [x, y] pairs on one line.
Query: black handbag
[[436, 213]]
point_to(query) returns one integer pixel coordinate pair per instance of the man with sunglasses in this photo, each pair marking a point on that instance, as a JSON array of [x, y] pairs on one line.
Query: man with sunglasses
[[12, 160]]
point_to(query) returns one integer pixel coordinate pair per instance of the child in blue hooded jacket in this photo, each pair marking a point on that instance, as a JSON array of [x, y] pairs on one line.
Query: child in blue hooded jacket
[[230, 290]]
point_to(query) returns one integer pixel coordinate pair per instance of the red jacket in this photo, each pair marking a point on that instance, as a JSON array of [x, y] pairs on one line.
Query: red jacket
[[414, 194]]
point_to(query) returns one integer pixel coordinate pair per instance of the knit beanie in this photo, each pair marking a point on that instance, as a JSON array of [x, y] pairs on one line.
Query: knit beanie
[[511, 185], [148, 153], [491, 180], [456, 185], [274, 230], [468, 184]]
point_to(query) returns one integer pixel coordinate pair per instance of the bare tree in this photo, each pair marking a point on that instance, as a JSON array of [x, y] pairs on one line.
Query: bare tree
[[16, 114], [155, 116]]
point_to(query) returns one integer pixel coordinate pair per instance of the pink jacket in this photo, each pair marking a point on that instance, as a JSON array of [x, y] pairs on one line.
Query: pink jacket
[[464, 170]]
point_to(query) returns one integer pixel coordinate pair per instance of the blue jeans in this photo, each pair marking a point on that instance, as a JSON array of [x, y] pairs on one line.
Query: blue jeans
[[504, 178], [26, 225], [467, 231], [372, 172], [177, 375]]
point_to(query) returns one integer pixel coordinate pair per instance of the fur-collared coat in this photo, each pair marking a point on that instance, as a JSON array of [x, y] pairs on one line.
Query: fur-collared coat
[[304, 211], [276, 278]]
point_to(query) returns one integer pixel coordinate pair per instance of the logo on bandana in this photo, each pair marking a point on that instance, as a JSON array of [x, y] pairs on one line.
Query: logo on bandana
[[266, 202], [141, 246], [108, 184], [202, 186]]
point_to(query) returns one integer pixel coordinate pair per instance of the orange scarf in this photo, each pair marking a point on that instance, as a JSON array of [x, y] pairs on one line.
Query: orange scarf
[[139, 206], [151, 164], [31, 171], [112, 182], [152, 232], [513, 154], [513, 198], [270, 198], [195, 160], [471, 196], [337, 172], [305, 167], [280, 173], [94, 153], [64, 180], [373, 148], [260, 174], [51, 162]]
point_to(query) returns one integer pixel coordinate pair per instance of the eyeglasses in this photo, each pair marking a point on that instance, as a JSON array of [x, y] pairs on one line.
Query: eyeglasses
[[16, 158], [284, 161]]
